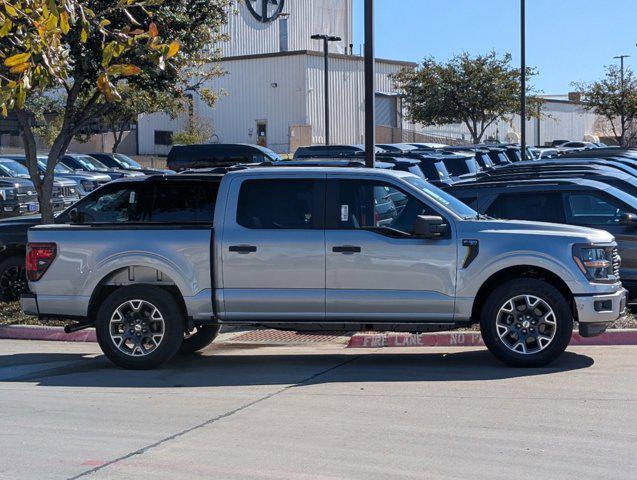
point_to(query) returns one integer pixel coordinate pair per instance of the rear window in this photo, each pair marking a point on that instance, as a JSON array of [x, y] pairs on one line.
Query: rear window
[[143, 203], [281, 205]]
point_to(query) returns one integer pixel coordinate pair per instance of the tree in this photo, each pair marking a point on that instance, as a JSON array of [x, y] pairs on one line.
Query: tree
[[198, 130], [615, 100], [81, 52], [474, 90]]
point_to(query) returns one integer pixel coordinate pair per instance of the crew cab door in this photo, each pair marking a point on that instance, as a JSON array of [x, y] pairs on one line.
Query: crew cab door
[[376, 269], [273, 249]]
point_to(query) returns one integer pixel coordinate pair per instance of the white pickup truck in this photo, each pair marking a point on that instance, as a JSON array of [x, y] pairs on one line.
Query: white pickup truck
[[158, 264]]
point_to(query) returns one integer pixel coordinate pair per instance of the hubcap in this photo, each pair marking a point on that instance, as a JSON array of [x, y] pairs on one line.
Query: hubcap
[[137, 328], [526, 324]]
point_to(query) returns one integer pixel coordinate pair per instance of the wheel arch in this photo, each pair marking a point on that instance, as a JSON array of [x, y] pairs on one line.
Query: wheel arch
[[133, 275], [521, 271]]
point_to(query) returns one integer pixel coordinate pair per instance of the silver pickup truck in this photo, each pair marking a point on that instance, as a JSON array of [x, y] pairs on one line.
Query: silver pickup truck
[[158, 264]]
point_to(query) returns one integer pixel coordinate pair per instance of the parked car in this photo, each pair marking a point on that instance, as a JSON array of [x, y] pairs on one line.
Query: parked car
[[578, 146], [65, 191], [429, 146], [332, 151], [187, 157], [87, 163], [17, 195], [397, 147], [304, 249], [558, 143], [85, 182], [124, 162], [579, 202]]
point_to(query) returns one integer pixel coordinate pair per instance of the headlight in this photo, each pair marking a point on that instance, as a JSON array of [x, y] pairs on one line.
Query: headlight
[[88, 185], [8, 194], [596, 262]]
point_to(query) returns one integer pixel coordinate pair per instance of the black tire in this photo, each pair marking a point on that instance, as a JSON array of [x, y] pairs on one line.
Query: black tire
[[13, 279], [167, 308], [539, 355], [199, 339]]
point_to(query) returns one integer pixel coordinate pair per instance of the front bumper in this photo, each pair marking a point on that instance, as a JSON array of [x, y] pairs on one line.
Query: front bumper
[[595, 313]]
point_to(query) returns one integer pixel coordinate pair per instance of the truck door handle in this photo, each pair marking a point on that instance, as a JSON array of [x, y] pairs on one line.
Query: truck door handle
[[347, 249], [243, 249]]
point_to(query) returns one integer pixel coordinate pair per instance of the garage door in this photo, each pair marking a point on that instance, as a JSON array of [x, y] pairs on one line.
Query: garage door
[[386, 110]]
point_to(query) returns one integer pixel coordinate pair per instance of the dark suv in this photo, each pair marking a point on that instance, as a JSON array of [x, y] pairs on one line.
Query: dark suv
[[189, 157], [580, 202]]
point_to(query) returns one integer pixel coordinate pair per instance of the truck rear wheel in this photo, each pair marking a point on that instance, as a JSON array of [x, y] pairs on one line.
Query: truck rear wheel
[[13, 279], [526, 323], [139, 327], [199, 338]]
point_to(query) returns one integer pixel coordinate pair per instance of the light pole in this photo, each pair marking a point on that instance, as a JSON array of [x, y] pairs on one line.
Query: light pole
[[523, 78], [623, 96], [326, 51], [370, 87]]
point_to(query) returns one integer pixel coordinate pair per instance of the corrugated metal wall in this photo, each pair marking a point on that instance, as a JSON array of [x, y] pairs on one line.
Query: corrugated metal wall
[[248, 36]]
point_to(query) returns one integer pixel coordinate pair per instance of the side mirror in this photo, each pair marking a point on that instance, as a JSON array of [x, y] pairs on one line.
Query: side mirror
[[76, 217], [429, 227], [628, 219]]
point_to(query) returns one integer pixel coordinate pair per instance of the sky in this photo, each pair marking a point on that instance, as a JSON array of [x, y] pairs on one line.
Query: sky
[[567, 40]]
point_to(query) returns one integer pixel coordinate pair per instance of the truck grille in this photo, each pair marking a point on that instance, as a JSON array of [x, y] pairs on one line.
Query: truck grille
[[27, 195], [617, 261]]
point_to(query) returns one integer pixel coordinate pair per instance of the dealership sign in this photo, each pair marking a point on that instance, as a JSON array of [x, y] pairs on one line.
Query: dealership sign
[[265, 11]]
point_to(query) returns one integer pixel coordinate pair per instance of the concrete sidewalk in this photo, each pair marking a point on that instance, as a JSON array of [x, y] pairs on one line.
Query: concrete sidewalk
[[317, 411]]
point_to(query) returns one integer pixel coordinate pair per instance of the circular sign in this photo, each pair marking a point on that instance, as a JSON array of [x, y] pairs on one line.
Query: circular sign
[[265, 11]]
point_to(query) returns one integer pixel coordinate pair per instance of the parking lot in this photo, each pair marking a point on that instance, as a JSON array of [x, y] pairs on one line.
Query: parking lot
[[316, 411]]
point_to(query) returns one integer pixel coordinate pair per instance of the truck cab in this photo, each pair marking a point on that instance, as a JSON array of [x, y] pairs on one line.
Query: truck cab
[[307, 248]]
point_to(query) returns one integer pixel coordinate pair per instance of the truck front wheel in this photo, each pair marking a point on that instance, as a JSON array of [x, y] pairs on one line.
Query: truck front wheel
[[526, 323], [139, 327]]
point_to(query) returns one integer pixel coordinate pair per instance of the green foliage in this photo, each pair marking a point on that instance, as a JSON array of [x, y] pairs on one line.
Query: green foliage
[[474, 90], [617, 105], [198, 130]]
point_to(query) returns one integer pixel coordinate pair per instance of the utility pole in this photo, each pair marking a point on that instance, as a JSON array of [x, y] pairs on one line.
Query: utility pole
[[523, 78], [370, 87], [326, 52], [623, 97]]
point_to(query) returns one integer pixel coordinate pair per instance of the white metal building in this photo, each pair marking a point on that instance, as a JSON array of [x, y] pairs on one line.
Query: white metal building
[[274, 92]]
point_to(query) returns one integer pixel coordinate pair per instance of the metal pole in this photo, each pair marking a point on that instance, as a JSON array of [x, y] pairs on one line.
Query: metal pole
[[623, 98], [326, 48], [523, 78], [370, 88]]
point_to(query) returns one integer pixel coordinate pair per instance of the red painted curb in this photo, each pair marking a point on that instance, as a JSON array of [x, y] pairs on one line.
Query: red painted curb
[[471, 339], [32, 332]]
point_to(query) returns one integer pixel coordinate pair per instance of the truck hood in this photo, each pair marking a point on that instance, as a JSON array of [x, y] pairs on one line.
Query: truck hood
[[533, 230]]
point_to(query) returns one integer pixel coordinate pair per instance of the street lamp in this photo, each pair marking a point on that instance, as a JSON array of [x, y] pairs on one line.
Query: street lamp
[[326, 44], [623, 95]]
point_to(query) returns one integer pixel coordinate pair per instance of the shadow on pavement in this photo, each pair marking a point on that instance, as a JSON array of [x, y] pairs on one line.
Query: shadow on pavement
[[220, 369]]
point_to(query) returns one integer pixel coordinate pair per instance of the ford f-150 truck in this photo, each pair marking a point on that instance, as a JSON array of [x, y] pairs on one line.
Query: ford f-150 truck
[[158, 264]]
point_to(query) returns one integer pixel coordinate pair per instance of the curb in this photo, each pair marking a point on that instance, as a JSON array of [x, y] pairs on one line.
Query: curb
[[472, 339], [35, 332]]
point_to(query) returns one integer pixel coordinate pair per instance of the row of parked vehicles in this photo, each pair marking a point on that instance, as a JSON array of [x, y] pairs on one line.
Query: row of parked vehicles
[[158, 263]]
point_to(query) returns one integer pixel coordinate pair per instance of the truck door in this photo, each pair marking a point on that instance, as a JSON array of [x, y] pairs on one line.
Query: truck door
[[274, 250], [376, 269]]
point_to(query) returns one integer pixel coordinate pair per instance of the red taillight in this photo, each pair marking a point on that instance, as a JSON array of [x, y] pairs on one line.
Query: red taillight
[[39, 257]]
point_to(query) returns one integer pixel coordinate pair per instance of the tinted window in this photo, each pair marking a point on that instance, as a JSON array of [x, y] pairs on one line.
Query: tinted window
[[129, 204], [592, 209], [281, 204], [434, 170], [369, 204], [163, 137], [183, 204], [536, 206]]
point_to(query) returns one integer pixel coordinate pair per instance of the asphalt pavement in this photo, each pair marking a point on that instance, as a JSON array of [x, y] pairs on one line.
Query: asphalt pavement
[[248, 411]]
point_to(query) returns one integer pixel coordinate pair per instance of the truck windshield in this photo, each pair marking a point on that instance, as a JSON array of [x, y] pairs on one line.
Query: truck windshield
[[127, 162], [59, 168], [442, 198], [11, 168]]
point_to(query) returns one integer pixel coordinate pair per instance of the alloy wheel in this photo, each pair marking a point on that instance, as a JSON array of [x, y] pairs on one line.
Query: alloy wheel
[[137, 328], [526, 324]]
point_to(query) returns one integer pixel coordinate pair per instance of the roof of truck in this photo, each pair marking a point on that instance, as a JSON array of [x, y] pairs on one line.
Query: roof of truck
[[330, 170]]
